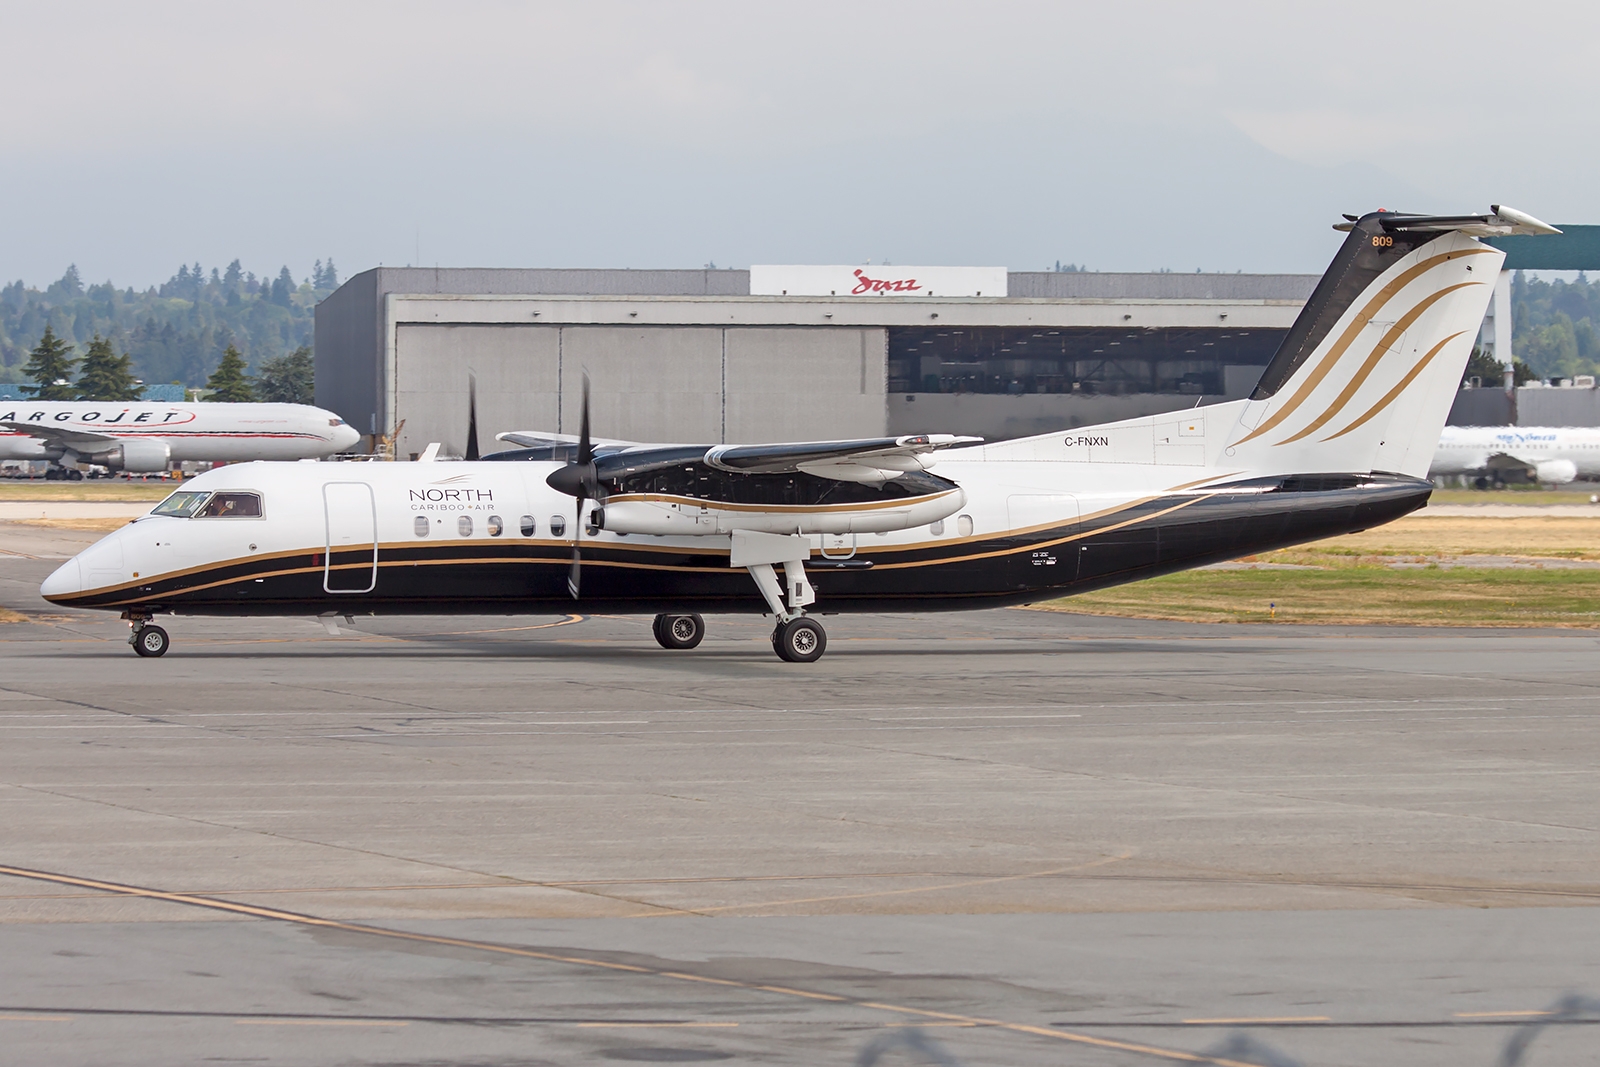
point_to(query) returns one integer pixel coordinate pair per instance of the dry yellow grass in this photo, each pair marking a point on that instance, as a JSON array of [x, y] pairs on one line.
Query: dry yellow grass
[[1354, 584], [7, 615], [1425, 535], [92, 525], [105, 491]]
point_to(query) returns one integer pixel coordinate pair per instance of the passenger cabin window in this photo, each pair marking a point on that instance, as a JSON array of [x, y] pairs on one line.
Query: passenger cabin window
[[528, 526], [232, 506], [496, 527], [464, 526], [180, 505], [558, 525], [936, 527], [420, 524], [964, 525]]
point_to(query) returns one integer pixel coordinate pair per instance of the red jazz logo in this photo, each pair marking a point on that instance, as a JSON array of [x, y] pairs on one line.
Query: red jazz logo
[[865, 284]]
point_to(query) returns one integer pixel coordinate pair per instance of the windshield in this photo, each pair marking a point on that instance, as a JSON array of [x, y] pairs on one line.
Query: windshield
[[181, 504]]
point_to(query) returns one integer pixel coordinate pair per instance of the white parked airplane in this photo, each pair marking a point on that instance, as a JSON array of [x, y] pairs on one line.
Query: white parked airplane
[[1553, 455], [1337, 437], [140, 437]]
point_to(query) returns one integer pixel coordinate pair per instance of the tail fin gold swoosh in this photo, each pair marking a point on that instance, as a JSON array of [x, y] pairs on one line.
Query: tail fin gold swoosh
[[1390, 337], [1359, 323], [1400, 387]]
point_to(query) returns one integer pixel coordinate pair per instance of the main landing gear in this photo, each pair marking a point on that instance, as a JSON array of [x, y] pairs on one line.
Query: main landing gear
[[679, 631], [148, 640], [797, 638]]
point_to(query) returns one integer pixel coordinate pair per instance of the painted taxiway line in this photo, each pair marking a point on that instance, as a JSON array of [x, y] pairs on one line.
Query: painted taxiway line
[[1170, 1055]]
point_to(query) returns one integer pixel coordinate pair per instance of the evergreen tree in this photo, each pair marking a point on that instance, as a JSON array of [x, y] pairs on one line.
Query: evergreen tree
[[50, 365], [288, 379], [105, 375], [282, 286], [229, 383]]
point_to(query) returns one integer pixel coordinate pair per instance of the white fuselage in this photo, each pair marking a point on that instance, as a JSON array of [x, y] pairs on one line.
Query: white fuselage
[[229, 433], [1468, 449]]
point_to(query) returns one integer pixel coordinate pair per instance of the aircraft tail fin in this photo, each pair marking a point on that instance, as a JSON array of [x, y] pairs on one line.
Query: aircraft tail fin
[[1365, 378]]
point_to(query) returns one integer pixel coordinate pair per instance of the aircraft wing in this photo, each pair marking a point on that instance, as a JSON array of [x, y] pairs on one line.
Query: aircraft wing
[[872, 461], [57, 435], [885, 453], [540, 439]]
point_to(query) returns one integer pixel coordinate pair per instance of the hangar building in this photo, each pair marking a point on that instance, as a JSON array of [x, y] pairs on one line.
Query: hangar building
[[702, 356]]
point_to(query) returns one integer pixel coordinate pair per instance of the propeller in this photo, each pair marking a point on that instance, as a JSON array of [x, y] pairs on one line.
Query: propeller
[[472, 418], [580, 480]]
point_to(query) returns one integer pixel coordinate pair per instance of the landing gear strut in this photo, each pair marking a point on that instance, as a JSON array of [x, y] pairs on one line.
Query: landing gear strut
[[147, 640], [679, 631], [796, 639]]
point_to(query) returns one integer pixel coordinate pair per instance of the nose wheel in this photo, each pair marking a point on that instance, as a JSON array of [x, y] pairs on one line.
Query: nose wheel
[[679, 631], [150, 641]]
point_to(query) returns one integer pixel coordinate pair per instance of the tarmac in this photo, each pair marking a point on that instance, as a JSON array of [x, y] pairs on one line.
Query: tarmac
[[1029, 837]]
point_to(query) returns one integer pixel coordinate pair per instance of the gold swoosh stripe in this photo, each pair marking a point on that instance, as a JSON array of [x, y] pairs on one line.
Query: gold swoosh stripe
[[1389, 397], [1390, 338], [1351, 332]]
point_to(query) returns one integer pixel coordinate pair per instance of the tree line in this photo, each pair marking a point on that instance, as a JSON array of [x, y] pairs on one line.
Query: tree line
[[176, 332], [1554, 325], [101, 374]]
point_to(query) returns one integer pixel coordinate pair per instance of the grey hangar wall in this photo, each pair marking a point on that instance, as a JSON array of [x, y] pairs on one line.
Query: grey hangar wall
[[692, 356]]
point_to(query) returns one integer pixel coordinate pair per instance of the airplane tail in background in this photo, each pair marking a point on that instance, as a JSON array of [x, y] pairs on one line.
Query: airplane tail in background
[[1365, 378]]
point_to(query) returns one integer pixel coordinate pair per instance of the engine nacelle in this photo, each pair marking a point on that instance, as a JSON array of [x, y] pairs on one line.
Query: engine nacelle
[[649, 513], [1555, 472], [136, 456]]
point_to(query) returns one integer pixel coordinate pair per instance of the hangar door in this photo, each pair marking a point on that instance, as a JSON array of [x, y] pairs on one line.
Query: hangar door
[[352, 528]]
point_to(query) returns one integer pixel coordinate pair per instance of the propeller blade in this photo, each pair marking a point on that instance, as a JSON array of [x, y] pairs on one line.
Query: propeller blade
[[472, 417], [585, 446], [574, 574]]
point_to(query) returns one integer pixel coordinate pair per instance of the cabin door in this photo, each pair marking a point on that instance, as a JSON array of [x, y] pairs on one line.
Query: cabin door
[[351, 562]]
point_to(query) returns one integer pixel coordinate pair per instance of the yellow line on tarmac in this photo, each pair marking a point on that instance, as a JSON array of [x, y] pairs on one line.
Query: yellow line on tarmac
[[253, 911], [11, 1017], [1264, 1019], [648, 1026], [320, 1022]]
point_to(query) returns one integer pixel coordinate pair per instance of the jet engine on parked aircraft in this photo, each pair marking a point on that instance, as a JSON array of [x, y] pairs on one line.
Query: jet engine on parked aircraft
[[1555, 471], [134, 455]]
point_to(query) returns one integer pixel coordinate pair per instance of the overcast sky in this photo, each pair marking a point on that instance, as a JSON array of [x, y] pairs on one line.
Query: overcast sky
[[1125, 136]]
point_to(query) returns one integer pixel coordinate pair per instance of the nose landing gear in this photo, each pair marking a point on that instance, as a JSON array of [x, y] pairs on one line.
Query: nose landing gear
[[147, 639]]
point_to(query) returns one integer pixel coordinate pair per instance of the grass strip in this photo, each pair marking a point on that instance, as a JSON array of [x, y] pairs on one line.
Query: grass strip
[[1357, 594], [102, 491]]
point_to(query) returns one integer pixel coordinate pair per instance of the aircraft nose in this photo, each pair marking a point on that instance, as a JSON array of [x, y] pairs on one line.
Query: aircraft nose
[[346, 437], [67, 580]]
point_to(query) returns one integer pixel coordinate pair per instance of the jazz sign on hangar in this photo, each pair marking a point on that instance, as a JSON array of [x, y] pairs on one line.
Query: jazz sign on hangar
[[877, 281]]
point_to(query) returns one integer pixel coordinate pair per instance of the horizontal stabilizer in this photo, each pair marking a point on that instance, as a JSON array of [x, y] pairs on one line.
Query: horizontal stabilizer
[[1503, 222]]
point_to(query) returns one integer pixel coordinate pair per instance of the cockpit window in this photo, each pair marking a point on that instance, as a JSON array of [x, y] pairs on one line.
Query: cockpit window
[[181, 505], [232, 506]]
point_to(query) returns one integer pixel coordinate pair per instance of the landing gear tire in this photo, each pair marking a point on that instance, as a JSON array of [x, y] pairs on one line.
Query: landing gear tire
[[799, 641], [150, 641], [679, 632]]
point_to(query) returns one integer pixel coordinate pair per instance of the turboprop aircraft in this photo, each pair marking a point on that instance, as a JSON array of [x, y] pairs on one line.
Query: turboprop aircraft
[[1337, 437], [1552, 455], [142, 438]]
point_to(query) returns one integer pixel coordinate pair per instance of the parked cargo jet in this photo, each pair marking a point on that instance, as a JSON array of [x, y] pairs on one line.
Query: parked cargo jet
[[1337, 437], [141, 437]]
